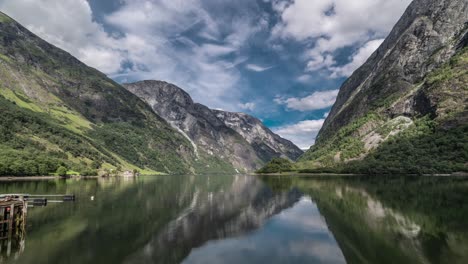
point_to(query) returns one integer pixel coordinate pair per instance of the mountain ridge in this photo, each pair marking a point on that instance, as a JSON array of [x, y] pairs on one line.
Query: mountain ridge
[[217, 136]]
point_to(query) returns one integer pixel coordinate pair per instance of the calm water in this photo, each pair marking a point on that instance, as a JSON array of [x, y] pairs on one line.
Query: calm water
[[244, 219]]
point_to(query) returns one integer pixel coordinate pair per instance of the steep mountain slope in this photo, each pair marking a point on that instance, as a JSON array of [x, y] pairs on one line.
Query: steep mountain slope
[[410, 96], [209, 132], [54, 106], [266, 143]]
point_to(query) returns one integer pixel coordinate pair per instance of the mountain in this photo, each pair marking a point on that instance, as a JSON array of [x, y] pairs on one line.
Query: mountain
[[266, 144], [238, 139], [56, 111], [405, 109]]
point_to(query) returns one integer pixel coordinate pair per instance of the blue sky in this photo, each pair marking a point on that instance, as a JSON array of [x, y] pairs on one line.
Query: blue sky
[[282, 61]]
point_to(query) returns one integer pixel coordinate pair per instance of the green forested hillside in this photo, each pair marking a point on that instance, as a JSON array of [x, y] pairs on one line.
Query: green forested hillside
[[58, 111], [33, 145]]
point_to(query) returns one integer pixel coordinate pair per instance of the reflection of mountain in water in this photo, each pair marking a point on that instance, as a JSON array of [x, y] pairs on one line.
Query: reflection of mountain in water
[[297, 235], [162, 219], [242, 207], [152, 219], [393, 220]]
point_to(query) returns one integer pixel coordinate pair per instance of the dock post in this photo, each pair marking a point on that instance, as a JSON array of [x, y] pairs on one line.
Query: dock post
[[10, 228], [24, 214], [11, 218]]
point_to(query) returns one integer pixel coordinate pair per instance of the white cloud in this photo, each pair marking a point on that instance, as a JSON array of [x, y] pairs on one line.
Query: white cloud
[[247, 106], [315, 101], [357, 59], [212, 50], [334, 24], [257, 68], [68, 24], [305, 78], [105, 59], [320, 61], [302, 133]]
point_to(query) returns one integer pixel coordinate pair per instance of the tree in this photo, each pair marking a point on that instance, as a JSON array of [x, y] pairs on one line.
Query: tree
[[89, 172], [277, 165], [62, 171]]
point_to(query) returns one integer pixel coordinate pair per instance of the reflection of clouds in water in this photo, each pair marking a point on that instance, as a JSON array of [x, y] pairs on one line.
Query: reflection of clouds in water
[[325, 252], [296, 235], [304, 215]]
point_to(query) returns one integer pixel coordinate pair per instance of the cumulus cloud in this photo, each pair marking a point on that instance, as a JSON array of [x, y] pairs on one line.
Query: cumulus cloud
[[247, 106], [357, 59], [315, 101], [257, 68], [304, 78], [334, 24], [319, 61], [302, 134]]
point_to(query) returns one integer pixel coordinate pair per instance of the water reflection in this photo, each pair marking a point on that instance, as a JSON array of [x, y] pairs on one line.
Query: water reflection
[[296, 235], [242, 206], [12, 247], [242, 219], [392, 219]]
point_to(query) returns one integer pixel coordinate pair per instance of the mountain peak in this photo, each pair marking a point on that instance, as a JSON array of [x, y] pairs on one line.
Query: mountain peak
[[161, 90], [240, 138]]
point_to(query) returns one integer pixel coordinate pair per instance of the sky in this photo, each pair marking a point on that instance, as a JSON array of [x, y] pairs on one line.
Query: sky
[[282, 61]]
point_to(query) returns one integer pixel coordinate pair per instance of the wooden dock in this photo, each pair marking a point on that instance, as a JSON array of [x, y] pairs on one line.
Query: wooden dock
[[13, 215]]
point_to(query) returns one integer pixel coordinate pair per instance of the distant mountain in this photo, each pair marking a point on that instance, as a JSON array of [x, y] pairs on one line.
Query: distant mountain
[[405, 109], [237, 138], [56, 111], [266, 144]]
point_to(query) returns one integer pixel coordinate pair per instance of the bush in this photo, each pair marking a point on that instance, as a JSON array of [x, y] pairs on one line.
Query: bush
[[89, 172], [62, 171], [277, 165]]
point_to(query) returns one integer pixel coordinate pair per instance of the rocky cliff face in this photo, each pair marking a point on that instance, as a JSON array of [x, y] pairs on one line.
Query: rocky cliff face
[[429, 33], [244, 143], [420, 70], [266, 143]]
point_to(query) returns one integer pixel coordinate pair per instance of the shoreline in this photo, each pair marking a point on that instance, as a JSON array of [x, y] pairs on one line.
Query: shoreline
[[28, 178], [306, 174], [298, 174], [286, 174]]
